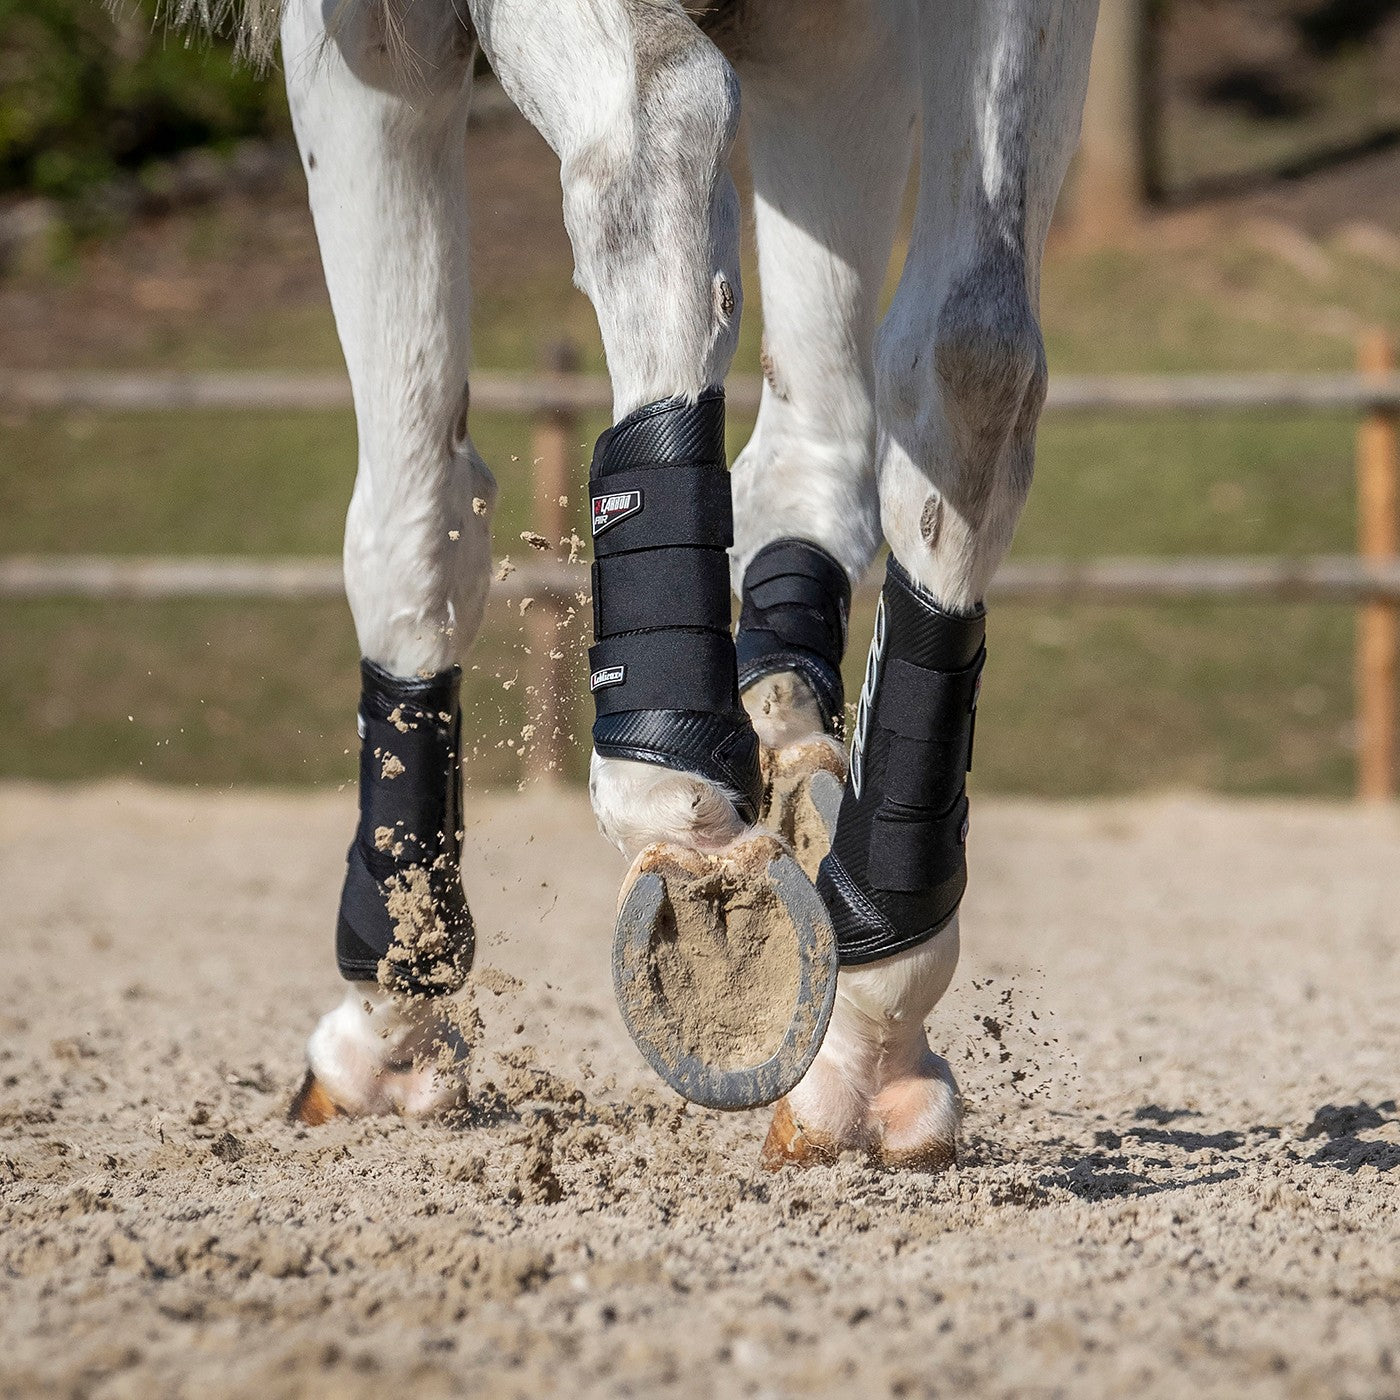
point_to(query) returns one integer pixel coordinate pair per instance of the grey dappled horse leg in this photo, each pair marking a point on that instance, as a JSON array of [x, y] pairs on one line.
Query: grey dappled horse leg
[[829, 100], [641, 109]]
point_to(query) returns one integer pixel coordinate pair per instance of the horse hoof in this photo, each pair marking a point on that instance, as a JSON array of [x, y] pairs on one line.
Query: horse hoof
[[312, 1105], [914, 1120], [933, 1157], [724, 967], [789, 1144], [803, 784]]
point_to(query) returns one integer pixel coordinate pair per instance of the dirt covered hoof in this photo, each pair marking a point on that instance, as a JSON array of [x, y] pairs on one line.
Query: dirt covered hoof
[[724, 967], [312, 1105], [789, 1144], [802, 794], [380, 1053], [934, 1156]]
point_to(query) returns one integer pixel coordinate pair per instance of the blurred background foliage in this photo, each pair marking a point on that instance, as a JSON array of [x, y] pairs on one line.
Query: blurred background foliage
[[89, 92]]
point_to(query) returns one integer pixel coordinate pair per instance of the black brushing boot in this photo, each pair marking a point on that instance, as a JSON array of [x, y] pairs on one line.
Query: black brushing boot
[[897, 867], [662, 669], [795, 605], [403, 915]]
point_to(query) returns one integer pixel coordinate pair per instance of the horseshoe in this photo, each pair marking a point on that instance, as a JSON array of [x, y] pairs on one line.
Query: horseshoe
[[658, 1027]]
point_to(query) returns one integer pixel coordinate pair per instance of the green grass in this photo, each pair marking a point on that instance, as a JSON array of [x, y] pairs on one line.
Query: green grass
[[1233, 484], [1083, 700]]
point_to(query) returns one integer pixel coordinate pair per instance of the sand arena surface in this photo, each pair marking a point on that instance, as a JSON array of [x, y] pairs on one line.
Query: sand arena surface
[[1177, 1025]]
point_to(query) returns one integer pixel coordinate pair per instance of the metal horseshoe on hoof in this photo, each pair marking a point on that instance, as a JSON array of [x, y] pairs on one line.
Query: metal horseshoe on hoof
[[825, 789], [657, 1027]]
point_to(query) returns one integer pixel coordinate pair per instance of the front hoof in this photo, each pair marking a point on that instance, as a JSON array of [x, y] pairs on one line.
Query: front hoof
[[312, 1105], [914, 1121], [725, 968], [789, 1144]]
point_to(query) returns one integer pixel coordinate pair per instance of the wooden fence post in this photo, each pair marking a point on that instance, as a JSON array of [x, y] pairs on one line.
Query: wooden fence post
[[1116, 170], [1377, 473], [554, 451]]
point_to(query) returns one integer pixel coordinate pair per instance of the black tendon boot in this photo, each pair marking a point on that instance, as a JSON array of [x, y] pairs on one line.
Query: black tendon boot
[[796, 600], [403, 916], [897, 867], [662, 668]]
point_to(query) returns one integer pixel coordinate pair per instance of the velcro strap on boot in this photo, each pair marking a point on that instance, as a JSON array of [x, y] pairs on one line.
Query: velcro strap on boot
[[659, 588], [914, 848], [403, 916], [662, 668], [637, 672], [897, 867], [796, 602]]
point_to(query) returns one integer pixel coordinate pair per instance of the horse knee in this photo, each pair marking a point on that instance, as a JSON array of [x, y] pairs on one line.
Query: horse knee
[[990, 362], [960, 383], [686, 98], [961, 388]]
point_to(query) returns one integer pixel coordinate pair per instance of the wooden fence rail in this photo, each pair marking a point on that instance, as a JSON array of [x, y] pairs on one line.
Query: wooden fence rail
[[114, 391], [1318, 578], [556, 397]]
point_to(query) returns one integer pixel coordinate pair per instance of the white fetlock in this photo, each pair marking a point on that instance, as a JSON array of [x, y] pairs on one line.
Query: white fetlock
[[640, 804], [377, 1053], [875, 1086]]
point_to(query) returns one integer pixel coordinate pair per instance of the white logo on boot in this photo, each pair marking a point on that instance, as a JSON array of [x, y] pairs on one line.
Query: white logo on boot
[[867, 697], [609, 509]]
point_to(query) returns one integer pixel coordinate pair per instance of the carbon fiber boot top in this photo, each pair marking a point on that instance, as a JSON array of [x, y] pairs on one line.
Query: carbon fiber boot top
[[662, 670], [897, 868], [665, 433], [402, 899], [670, 737]]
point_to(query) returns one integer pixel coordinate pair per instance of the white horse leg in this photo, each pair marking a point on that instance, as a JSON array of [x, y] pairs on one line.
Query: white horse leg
[[380, 105], [830, 95], [641, 109], [960, 375]]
